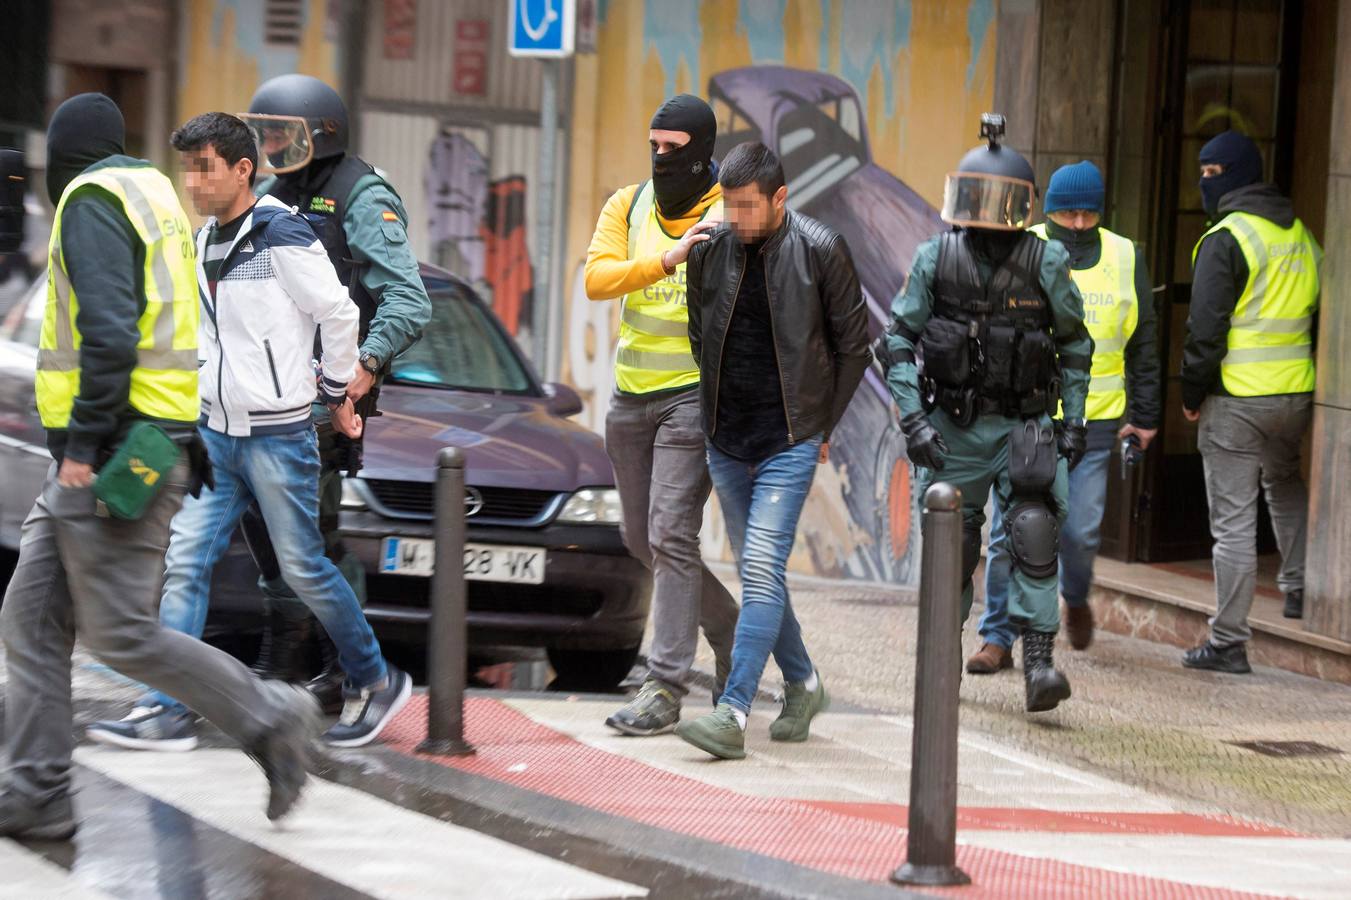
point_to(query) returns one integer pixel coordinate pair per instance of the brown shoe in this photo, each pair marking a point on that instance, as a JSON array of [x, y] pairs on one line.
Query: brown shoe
[[990, 658], [1079, 626]]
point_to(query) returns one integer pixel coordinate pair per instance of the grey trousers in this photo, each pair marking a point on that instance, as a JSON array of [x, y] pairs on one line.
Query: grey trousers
[[101, 577], [656, 445], [1247, 444]]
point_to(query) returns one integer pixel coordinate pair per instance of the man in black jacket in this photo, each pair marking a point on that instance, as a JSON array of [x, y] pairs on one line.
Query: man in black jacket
[[1248, 379], [779, 329]]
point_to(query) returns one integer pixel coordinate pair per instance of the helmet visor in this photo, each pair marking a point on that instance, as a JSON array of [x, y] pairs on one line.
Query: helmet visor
[[974, 200], [283, 142]]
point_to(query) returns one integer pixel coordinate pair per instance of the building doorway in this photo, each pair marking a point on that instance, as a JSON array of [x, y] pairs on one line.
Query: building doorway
[[1257, 66]]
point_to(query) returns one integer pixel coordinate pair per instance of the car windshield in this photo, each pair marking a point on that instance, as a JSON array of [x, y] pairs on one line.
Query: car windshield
[[733, 127], [820, 144], [462, 348]]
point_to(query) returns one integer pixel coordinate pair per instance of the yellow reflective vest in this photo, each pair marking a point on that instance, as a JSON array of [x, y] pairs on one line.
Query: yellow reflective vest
[[164, 382], [1111, 312], [654, 338], [1271, 331]]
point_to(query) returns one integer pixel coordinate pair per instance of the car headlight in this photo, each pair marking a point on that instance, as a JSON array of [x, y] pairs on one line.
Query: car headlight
[[593, 506], [351, 495]]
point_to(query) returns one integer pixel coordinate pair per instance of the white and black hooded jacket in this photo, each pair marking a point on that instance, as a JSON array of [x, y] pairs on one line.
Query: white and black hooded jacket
[[276, 286]]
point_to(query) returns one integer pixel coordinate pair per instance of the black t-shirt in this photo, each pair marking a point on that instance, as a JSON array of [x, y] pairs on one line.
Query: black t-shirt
[[751, 422], [218, 243]]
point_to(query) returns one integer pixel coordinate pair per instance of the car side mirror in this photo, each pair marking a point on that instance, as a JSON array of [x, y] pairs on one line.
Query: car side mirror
[[563, 401]]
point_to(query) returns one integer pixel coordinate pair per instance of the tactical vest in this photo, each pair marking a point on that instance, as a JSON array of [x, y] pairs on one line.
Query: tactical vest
[[1111, 312], [164, 381], [654, 333], [1271, 332], [987, 347], [325, 207]]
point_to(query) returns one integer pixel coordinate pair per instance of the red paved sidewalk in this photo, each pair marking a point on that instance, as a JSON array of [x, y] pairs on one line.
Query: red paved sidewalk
[[856, 840]]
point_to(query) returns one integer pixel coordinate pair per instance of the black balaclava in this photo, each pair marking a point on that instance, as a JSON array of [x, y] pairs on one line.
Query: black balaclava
[[86, 129], [993, 245], [1242, 163], [292, 186], [1082, 243], [682, 177]]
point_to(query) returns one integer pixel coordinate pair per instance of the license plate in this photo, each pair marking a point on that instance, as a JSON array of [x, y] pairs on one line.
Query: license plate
[[482, 562]]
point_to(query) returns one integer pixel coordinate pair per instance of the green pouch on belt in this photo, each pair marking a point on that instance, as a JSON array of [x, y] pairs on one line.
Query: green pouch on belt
[[129, 481]]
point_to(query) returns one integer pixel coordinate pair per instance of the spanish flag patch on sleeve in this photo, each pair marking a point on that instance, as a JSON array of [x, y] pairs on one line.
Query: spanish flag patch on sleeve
[[389, 216]]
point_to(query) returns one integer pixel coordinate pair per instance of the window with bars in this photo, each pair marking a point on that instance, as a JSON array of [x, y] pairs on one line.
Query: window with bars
[[283, 21]]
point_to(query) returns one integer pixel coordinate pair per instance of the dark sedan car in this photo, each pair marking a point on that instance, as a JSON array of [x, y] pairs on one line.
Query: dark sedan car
[[543, 561]]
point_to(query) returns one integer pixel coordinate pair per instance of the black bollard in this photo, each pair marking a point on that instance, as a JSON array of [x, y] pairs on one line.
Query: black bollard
[[447, 638], [931, 845]]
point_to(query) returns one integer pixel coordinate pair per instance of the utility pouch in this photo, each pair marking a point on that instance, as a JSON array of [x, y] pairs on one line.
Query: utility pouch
[[1000, 346], [961, 404], [131, 479], [947, 352], [1034, 363], [1041, 401], [1032, 459]]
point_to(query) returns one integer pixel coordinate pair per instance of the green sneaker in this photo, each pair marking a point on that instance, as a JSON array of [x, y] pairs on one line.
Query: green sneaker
[[716, 733], [799, 708]]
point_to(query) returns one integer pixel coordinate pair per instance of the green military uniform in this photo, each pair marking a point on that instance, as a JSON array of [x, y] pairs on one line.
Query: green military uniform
[[978, 455], [376, 227]]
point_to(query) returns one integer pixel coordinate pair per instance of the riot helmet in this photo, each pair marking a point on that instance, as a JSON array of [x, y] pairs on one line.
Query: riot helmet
[[296, 119], [994, 186]]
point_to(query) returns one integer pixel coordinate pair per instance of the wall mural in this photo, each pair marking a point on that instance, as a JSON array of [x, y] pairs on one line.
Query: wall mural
[[477, 224], [867, 111]]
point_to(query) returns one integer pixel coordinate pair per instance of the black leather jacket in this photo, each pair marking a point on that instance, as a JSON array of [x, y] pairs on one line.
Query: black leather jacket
[[816, 308]]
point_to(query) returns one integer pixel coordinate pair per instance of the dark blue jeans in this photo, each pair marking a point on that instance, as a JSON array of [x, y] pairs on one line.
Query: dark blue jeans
[[1080, 537], [761, 503], [281, 472]]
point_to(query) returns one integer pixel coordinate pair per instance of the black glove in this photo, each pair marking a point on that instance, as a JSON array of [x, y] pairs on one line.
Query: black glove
[[1071, 439], [923, 444], [199, 464]]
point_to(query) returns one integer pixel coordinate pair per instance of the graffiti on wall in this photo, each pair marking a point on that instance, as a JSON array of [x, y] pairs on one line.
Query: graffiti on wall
[[867, 111], [477, 224]]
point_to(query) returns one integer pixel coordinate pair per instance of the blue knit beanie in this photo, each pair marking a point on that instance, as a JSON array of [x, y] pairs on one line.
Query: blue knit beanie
[[1078, 186]]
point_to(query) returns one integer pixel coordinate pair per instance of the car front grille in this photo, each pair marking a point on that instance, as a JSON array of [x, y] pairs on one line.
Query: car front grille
[[417, 499]]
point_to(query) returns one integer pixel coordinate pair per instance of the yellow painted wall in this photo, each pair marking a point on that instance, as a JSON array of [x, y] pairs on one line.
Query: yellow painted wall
[[225, 57]]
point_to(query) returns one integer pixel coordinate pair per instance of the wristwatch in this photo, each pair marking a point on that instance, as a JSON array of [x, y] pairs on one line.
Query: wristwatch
[[370, 362]]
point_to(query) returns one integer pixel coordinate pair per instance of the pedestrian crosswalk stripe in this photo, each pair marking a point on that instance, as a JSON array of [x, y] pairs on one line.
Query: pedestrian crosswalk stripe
[[349, 836], [28, 875]]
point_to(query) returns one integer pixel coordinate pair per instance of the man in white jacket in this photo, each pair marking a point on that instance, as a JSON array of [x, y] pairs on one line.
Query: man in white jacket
[[266, 284]]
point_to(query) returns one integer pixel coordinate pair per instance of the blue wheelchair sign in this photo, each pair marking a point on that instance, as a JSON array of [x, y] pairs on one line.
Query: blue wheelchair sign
[[542, 27]]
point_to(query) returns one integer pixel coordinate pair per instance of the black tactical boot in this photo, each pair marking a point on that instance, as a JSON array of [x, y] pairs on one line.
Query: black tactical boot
[[327, 685], [1045, 686], [286, 640]]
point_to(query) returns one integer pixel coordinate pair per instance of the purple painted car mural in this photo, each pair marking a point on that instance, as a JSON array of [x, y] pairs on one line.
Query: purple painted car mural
[[814, 122], [544, 562]]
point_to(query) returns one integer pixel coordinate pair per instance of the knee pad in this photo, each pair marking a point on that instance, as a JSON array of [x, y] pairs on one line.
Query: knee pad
[[1033, 537]]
